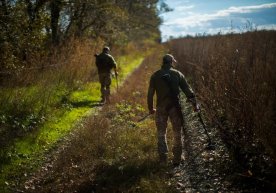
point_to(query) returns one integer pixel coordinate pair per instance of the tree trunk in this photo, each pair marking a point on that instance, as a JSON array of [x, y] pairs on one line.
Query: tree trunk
[[55, 7]]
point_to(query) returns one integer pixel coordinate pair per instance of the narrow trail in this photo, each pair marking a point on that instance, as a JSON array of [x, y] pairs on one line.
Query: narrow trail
[[200, 172], [59, 172], [78, 164]]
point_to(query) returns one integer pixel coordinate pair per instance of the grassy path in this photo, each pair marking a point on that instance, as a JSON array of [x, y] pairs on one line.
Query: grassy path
[[27, 153], [111, 152]]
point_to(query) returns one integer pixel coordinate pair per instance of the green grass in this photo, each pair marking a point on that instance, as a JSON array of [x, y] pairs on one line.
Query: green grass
[[127, 64], [90, 91], [26, 153]]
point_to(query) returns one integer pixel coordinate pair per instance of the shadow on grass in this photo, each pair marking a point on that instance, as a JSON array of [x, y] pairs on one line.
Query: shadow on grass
[[121, 178]]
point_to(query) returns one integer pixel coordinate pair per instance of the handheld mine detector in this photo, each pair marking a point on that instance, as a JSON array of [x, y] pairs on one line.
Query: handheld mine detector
[[210, 145]]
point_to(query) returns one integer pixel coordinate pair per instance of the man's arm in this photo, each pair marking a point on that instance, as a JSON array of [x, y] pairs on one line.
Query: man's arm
[[185, 87], [151, 92], [113, 62]]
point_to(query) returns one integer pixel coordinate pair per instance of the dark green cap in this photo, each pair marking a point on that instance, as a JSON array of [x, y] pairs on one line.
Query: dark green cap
[[168, 59]]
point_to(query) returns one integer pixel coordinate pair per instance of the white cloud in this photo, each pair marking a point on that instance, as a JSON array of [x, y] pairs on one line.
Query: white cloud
[[195, 19], [184, 8], [267, 27], [244, 9]]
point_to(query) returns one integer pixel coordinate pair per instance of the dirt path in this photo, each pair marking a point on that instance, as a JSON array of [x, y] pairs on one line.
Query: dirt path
[[204, 170]]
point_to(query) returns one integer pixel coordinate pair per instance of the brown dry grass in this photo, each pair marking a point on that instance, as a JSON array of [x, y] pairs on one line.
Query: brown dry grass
[[235, 80]]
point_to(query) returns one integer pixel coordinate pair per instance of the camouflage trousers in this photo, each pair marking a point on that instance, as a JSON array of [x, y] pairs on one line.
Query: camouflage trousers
[[105, 81], [161, 120]]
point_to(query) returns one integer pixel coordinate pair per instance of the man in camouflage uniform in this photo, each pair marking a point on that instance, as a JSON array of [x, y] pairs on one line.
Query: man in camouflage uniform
[[167, 83], [105, 62]]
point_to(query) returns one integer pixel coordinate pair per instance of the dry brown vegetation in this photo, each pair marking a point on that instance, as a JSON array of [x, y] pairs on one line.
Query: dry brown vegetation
[[234, 79], [69, 61]]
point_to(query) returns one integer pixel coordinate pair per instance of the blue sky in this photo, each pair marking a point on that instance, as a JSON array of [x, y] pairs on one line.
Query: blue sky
[[213, 16]]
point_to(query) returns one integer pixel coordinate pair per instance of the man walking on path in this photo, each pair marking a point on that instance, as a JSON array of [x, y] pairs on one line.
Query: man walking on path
[[166, 83], [105, 62]]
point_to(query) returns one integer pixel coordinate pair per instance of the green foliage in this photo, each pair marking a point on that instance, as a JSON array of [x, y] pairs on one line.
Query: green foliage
[[21, 37]]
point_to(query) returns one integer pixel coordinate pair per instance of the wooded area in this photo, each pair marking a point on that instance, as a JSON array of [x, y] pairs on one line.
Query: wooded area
[[47, 50], [30, 30]]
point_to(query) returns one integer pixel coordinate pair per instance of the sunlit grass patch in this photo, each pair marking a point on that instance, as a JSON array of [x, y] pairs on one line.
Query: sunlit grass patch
[[89, 92], [127, 64]]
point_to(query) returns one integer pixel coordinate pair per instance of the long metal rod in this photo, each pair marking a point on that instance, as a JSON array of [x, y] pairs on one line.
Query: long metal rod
[[204, 126]]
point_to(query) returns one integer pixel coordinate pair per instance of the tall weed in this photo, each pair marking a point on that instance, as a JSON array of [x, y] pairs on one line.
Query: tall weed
[[234, 78]]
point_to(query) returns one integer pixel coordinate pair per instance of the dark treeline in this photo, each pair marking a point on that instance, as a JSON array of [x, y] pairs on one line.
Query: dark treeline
[[29, 29]]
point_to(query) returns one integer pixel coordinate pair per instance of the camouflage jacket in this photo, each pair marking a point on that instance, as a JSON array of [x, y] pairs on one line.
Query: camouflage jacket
[[167, 91], [105, 62]]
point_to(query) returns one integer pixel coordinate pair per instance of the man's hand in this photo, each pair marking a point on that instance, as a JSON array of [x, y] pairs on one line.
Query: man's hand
[[152, 111], [116, 73]]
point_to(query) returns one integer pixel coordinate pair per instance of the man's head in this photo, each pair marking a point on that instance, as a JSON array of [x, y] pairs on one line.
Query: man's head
[[106, 49], [168, 59]]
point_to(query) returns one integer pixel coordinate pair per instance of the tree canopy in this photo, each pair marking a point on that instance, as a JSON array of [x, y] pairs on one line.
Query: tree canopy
[[28, 28]]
